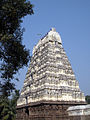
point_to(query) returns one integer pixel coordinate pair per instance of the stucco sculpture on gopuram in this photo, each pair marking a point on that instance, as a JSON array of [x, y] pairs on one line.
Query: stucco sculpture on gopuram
[[50, 79]]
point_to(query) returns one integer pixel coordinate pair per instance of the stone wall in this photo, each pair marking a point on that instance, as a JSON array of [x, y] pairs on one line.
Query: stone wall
[[43, 112], [48, 110], [81, 112]]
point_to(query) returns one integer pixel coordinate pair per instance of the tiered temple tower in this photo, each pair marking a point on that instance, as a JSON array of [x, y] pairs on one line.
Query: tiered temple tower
[[50, 86]]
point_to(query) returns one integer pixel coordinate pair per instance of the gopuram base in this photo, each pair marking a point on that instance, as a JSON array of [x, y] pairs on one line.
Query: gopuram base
[[45, 111]]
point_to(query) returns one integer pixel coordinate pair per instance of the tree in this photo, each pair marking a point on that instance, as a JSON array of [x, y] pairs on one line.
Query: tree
[[13, 54], [8, 107], [87, 99]]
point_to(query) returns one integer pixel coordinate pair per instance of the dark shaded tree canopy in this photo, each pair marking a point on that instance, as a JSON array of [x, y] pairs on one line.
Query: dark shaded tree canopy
[[87, 99], [8, 107], [13, 55]]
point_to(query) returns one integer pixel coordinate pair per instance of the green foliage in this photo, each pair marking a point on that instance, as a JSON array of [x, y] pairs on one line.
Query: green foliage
[[8, 107], [87, 99], [13, 54], [7, 88]]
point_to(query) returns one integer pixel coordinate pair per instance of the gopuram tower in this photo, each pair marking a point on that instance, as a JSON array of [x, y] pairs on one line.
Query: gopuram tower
[[50, 86]]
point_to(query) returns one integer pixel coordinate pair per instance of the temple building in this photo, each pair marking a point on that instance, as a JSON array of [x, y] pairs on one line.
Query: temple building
[[50, 86]]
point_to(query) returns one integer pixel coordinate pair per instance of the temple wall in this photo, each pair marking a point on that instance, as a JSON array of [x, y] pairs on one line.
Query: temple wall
[[43, 112], [81, 112], [46, 110]]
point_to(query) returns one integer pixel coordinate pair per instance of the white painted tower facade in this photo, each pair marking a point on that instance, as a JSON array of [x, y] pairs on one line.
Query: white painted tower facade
[[50, 76]]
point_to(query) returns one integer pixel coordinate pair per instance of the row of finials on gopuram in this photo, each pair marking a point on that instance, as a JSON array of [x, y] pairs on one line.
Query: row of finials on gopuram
[[50, 76]]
